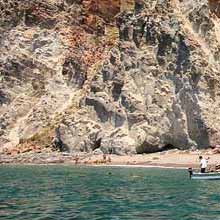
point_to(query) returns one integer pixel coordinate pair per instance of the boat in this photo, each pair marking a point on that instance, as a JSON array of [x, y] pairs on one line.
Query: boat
[[203, 176]]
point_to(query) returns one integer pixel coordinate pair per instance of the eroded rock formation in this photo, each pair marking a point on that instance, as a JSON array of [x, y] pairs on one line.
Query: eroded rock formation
[[118, 76], [215, 7]]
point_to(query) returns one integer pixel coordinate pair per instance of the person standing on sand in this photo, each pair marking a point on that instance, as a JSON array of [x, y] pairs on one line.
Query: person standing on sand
[[203, 164]]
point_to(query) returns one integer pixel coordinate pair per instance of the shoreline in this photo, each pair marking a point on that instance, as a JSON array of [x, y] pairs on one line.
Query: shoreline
[[91, 165], [142, 166], [173, 159]]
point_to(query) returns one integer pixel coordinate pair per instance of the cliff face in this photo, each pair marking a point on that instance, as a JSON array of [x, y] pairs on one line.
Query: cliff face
[[119, 76], [215, 7]]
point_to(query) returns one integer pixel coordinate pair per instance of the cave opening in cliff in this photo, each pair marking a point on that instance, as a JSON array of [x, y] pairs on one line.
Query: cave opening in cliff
[[168, 147], [97, 144], [146, 148]]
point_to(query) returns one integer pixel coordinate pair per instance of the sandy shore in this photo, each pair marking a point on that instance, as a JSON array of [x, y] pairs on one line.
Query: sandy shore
[[170, 159]]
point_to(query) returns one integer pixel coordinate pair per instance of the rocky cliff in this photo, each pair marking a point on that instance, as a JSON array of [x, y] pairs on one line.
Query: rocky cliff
[[117, 76]]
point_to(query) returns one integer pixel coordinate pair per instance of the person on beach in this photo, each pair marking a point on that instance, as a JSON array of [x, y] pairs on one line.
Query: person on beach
[[76, 159], [203, 164]]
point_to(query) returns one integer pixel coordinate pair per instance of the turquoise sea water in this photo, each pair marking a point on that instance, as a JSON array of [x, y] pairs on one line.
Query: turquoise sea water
[[65, 192]]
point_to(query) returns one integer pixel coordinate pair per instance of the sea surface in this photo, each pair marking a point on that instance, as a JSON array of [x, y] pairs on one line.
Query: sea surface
[[67, 192]]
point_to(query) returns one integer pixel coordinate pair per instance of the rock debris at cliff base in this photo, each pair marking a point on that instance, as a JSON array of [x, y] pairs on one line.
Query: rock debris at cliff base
[[114, 77]]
